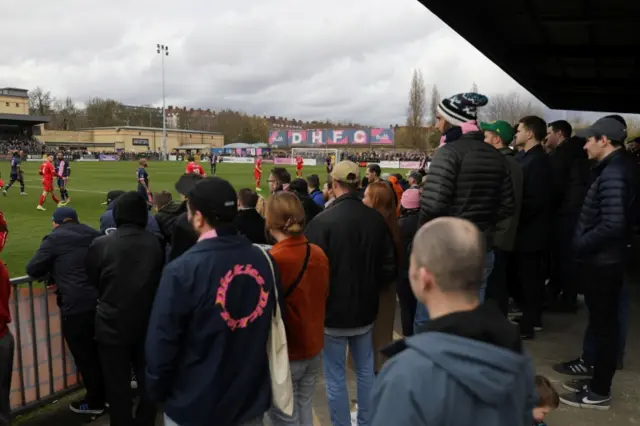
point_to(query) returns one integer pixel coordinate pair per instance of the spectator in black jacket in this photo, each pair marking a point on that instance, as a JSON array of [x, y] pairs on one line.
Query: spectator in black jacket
[[184, 237], [167, 213], [533, 225], [248, 221], [468, 178], [108, 224], [601, 240], [61, 257], [125, 266], [300, 188], [361, 255], [499, 134], [571, 174]]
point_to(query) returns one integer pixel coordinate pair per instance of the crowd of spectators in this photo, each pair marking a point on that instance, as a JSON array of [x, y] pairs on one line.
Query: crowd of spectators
[[11, 143], [485, 221]]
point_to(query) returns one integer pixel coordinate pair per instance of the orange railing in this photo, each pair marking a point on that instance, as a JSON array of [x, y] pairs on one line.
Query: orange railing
[[43, 369]]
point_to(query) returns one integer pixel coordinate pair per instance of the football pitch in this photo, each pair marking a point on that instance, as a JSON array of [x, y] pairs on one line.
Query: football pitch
[[88, 186]]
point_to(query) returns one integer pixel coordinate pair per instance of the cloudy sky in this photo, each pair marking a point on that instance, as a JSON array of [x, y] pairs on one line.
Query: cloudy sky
[[311, 59]]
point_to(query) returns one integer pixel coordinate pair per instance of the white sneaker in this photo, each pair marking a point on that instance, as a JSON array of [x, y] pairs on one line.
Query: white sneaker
[[4, 192], [257, 190], [23, 193], [40, 208]]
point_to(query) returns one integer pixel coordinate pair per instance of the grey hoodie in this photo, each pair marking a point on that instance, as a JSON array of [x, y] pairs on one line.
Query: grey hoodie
[[443, 379]]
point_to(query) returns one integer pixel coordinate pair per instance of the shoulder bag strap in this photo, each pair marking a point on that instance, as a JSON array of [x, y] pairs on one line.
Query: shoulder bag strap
[[293, 286]]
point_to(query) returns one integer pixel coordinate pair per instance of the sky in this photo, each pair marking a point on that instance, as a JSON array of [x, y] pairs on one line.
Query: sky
[[342, 60]]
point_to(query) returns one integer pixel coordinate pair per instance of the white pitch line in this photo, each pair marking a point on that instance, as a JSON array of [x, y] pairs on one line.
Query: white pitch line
[[70, 189]]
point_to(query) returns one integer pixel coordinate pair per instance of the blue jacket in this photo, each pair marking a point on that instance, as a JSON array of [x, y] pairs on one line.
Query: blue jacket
[[609, 211], [107, 221], [203, 364], [317, 197], [442, 379]]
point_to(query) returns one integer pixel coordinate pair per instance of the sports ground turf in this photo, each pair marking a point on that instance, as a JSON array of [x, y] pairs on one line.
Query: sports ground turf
[[88, 185]]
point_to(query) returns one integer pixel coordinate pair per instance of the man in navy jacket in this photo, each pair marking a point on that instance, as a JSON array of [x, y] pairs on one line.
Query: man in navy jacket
[[211, 318]]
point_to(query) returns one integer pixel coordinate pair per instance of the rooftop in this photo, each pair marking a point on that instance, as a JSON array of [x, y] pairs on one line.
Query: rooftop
[[153, 129], [571, 54], [17, 119]]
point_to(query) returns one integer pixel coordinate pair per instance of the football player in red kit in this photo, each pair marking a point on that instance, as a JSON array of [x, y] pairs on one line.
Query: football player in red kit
[[48, 172], [257, 173], [194, 167], [299, 166]]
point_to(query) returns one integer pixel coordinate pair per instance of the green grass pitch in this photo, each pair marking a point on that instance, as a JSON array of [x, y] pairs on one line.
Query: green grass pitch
[[88, 185]]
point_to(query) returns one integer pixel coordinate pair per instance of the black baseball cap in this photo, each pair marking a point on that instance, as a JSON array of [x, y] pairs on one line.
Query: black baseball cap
[[214, 195], [606, 126], [187, 182], [112, 195]]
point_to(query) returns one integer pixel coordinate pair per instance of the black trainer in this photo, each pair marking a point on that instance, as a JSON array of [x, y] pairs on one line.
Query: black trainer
[[586, 399], [576, 367], [83, 407], [576, 385]]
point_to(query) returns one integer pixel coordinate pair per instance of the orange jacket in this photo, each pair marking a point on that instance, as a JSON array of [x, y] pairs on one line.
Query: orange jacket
[[305, 306], [398, 190]]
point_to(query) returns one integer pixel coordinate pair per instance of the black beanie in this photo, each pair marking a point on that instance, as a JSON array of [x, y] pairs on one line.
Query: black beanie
[[131, 209]]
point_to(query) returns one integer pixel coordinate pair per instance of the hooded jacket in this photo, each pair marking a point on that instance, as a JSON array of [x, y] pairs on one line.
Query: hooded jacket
[[108, 222], [466, 366]]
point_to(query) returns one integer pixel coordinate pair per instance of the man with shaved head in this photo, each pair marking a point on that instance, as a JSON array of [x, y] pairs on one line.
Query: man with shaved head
[[468, 360]]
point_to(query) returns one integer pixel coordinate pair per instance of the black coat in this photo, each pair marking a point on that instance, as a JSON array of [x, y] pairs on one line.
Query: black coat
[[362, 260], [408, 225], [609, 212], [167, 217], [469, 179], [537, 195], [571, 177], [125, 266], [184, 237], [61, 257], [249, 223]]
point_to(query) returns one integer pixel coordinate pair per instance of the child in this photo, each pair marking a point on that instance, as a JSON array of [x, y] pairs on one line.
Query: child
[[549, 400]]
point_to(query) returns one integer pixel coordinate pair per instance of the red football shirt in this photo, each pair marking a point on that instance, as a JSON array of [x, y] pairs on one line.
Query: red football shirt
[[47, 171], [192, 167], [257, 168], [299, 162]]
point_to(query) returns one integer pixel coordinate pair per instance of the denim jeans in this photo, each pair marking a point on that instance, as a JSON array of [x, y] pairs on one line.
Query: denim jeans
[[422, 315], [303, 374], [334, 357], [255, 422], [589, 344]]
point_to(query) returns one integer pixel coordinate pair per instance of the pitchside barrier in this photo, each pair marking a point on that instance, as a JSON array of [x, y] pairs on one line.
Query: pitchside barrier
[[43, 369]]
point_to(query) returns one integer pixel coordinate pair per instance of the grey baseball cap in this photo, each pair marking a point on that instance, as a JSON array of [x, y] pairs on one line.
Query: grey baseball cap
[[606, 126]]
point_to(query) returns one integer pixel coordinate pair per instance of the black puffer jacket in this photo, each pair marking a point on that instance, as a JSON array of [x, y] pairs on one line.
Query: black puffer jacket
[[609, 212], [470, 179]]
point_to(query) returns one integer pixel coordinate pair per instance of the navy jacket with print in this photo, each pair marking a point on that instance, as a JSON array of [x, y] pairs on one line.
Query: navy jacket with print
[[207, 339]]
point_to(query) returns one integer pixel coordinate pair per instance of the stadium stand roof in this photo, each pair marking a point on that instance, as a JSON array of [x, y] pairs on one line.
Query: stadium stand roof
[[17, 119], [238, 145], [154, 129], [571, 54]]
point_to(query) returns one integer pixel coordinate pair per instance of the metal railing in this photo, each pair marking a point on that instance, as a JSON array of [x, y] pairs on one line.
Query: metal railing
[[43, 368]]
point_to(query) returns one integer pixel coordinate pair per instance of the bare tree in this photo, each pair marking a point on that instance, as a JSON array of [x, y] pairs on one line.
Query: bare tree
[[416, 110], [105, 113], [40, 102], [510, 107], [435, 100]]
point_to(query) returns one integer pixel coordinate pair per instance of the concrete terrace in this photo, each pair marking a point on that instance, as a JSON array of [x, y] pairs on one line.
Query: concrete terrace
[[561, 340]]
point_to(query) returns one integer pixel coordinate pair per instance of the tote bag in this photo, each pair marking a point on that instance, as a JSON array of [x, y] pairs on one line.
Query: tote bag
[[278, 354]]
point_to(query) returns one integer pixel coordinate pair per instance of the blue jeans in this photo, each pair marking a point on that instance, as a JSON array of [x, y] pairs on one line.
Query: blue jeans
[[422, 315], [589, 344], [334, 357]]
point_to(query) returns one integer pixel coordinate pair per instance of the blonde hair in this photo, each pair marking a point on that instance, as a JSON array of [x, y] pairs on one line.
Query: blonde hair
[[284, 213]]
